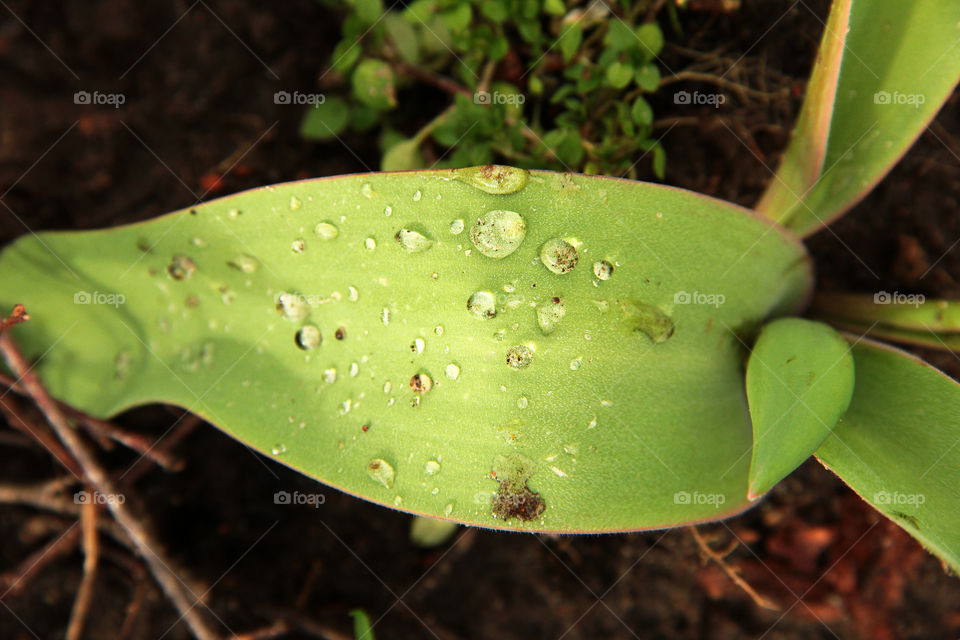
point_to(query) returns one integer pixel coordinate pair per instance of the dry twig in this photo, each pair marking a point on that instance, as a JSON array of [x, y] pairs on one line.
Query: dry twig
[[731, 572]]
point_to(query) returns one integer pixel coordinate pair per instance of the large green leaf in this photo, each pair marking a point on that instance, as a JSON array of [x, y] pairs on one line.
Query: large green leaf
[[897, 64], [898, 446], [799, 383], [608, 397]]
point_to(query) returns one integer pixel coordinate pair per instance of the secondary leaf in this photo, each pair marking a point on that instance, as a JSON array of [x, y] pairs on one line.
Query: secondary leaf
[[799, 382], [870, 96], [350, 328], [897, 445]]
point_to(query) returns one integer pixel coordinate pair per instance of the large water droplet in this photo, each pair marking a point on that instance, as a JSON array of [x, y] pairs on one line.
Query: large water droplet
[[523, 402], [432, 467], [293, 307], [380, 471], [558, 255], [326, 230], [181, 267], [417, 195], [278, 449], [493, 178], [483, 305], [602, 269], [456, 227], [366, 190], [413, 241], [550, 314], [308, 337], [452, 371], [519, 356], [388, 211], [647, 319], [498, 233]]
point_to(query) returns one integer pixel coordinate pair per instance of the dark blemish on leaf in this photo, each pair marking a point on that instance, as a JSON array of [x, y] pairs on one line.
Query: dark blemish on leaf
[[181, 268], [365, 428], [519, 356], [340, 333], [791, 359], [421, 383], [515, 499], [192, 301], [144, 245], [193, 212], [910, 519]]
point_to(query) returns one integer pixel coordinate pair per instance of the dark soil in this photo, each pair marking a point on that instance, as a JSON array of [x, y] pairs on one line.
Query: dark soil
[[200, 103]]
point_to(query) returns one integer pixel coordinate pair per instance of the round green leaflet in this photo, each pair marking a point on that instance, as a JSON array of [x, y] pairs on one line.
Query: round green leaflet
[[297, 318]]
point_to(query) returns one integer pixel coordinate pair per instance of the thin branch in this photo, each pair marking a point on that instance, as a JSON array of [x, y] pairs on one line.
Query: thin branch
[[13, 581], [91, 555], [732, 573]]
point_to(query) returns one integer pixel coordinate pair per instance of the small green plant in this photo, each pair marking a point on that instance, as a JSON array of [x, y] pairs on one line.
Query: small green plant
[[569, 94], [531, 350]]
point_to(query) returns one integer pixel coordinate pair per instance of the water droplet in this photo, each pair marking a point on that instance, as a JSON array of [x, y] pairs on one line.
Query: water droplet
[[181, 267], [380, 471], [558, 255], [234, 213], [483, 305], [370, 244], [295, 203], [432, 467], [493, 178], [647, 319], [245, 263], [298, 246], [593, 423], [452, 371], [413, 241], [326, 230], [387, 386], [388, 211], [345, 406], [522, 402], [352, 294], [199, 242], [602, 269], [519, 356], [417, 346], [457, 226], [354, 369], [576, 363], [367, 190], [417, 195], [550, 313], [278, 449], [330, 376], [447, 510], [308, 337], [498, 233], [421, 383], [385, 316], [571, 449], [293, 307], [438, 330], [397, 501]]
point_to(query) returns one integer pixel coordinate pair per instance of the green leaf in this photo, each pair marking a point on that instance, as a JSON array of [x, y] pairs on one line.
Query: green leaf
[[345, 55], [430, 532], [659, 161], [651, 39], [799, 382], [495, 10], [620, 36], [869, 97], [609, 420], [362, 628], [403, 156], [648, 77], [554, 7], [892, 309], [458, 18], [373, 84], [641, 112], [368, 11], [569, 41], [619, 75], [403, 36], [897, 445], [324, 120]]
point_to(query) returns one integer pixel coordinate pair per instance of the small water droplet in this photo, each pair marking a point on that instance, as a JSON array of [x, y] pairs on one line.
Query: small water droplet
[[550, 314], [519, 356], [387, 386], [245, 263], [278, 449], [413, 241], [326, 230], [354, 369], [418, 345], [493, 178], [295, 203], [397, 501], [298, 246], [483, 305], [330, 375], [452, 371], [366, 190], [345, 406], [421, 383], [447, 510], [576, 363], [233, 213], [558, 255], [308, 337], [181, 267], [602, 269], [498, 233], [199, 242], [522, 402], [457, 226], [388, 211], [417, 195], [385, 316], [432, 467], [370, 244], [593, 423], [380, 471], [352, 294], [438, 330]]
